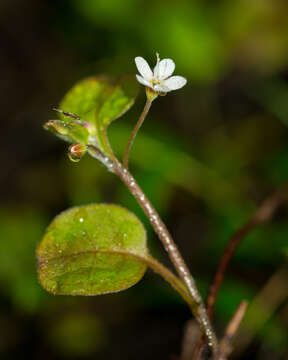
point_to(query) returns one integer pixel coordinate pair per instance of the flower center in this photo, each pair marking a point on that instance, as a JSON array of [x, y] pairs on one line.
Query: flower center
[[156, 82]]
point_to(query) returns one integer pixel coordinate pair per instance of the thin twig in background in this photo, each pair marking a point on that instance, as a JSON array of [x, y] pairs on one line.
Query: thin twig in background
[[225, 345], [262, 307], [263, 213], [191, 336]]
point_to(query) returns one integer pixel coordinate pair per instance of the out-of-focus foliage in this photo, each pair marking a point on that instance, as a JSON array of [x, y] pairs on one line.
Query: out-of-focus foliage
[[77, 334], [206, 157], [19, 232], [206, 37]]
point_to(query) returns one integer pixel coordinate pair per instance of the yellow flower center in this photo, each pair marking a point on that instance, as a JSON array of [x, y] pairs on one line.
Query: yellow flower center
[[156, 82]]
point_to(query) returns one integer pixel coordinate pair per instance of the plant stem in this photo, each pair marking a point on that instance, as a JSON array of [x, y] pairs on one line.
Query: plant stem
[[160, 228], [172, 279], [164, 272], [197, 307], [135, 131]]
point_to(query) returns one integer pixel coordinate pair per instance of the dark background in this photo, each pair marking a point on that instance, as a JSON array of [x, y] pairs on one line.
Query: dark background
[[207, 155]]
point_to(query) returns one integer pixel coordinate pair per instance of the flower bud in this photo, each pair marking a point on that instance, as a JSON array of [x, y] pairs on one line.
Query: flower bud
[[76, 151], [57, 126]]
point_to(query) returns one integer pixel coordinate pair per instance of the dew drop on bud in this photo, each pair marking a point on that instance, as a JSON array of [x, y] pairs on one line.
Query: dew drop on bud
[[76, 152]]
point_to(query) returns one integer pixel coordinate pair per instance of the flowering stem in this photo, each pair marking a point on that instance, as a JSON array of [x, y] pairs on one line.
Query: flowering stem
[[164, 272], [160, 228], [196, 304], [135, 131], [171, 278], [178, 285]]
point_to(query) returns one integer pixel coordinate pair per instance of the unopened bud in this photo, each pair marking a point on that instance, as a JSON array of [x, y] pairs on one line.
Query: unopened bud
[[76, 152], [57, 126]]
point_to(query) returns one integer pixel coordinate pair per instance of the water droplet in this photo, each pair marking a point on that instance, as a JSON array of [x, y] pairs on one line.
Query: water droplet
[[76, 152], [80, 215], [73, 158]]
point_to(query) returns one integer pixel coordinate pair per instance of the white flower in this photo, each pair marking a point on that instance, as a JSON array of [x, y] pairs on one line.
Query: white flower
[[160, 80]]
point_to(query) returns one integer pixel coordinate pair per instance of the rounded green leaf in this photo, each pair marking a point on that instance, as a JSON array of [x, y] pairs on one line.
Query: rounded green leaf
[[86, 98], [91, 250], [100, 100]]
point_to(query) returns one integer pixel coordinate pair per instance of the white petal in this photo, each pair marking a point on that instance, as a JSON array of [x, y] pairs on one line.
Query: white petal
[[143, 68], [164, 69], [175, 82], [161, 88], [143, 81]]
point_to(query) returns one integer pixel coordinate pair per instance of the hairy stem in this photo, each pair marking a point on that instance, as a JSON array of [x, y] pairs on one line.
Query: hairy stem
[[135, 131], [160, 228], [196, 304], [165, 273], [172, 279]]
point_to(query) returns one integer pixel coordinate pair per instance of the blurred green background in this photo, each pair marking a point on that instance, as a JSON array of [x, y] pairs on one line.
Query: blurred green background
[[206, 156]]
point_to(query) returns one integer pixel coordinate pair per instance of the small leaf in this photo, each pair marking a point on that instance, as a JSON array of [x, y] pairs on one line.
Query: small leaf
[[78, 133], [70, 132], [92, 250], [58, 128], [100, 100]]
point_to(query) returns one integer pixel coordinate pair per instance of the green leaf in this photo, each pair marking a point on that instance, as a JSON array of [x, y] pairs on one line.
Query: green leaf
[[91, 250], [78, 133], [100, 100], [70, 132]]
